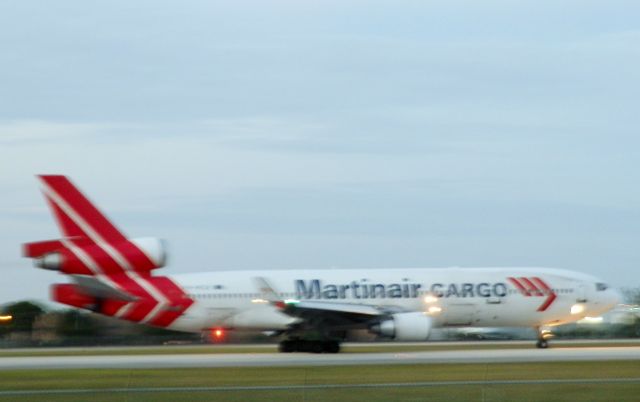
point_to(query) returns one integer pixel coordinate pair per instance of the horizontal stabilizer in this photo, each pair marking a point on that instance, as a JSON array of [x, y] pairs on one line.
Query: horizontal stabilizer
[[94, 287]]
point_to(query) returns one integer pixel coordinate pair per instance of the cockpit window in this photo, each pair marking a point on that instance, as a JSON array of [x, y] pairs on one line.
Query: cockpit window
[[601, 286]]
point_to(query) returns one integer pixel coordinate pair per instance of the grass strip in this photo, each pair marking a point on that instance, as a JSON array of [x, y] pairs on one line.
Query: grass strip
[[492, 382]]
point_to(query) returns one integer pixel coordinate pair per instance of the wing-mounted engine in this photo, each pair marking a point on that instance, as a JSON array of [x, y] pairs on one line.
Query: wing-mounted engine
[[412, 326]]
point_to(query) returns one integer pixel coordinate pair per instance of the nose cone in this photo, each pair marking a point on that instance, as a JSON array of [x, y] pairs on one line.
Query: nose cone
[[615, 298]]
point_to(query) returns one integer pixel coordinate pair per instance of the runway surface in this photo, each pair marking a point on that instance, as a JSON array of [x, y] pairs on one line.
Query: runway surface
[[266, 388], [308, 359]]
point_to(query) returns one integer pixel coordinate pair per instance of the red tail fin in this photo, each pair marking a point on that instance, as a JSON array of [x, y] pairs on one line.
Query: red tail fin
[[110, 264], [91, 244], [75, 214]]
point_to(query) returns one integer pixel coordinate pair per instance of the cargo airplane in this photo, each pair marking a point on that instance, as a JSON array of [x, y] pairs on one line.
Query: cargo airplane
[[311, 310]]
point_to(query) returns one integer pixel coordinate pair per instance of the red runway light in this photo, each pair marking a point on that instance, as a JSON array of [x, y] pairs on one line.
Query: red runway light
[[217, 334]]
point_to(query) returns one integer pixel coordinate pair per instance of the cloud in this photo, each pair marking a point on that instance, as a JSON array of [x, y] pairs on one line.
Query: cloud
[[18, 132], [342, 133]]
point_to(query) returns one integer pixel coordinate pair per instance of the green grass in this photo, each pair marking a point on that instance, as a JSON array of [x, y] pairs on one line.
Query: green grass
[[264, 376], [524, 393], [214, 349]]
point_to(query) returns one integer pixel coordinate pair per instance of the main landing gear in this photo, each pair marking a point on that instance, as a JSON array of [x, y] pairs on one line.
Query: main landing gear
[[300, 345], [543, 337]]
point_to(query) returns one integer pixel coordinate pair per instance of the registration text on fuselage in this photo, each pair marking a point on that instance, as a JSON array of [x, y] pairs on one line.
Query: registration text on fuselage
[[318, 289]]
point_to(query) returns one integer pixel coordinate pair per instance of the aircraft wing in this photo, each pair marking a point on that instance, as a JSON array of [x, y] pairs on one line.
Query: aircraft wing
[[333, 314], [94, 287], [336, 308], [346, 315]]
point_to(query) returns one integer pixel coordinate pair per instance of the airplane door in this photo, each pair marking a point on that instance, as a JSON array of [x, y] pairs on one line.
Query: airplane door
[[581, 293]]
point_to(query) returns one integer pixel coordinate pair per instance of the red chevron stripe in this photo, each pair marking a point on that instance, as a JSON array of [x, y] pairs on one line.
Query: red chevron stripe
[[532, 288], [141, 307], [74, 263], [179, 302], [64, 189], [136, 258], [96, 253], [519, 286], [121, 281], [110, 307], [547, 290]]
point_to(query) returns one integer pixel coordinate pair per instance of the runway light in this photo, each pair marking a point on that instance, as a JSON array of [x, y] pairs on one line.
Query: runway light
[[577, 308]]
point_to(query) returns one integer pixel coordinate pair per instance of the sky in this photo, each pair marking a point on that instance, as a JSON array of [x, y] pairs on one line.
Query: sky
[[328, 134]]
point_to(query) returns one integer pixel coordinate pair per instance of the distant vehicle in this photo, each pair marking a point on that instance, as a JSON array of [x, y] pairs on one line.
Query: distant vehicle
[[310, 309]]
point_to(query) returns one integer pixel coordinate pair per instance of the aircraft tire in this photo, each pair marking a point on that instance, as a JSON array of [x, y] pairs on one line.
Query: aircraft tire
[[294, 345], [287, 346], [542, 344], [331, 347], [316, 347]]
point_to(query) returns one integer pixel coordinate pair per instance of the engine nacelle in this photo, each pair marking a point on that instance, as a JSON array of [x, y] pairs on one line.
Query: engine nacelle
[[414, 326], [50, 261], [153, 248], [154, 255]]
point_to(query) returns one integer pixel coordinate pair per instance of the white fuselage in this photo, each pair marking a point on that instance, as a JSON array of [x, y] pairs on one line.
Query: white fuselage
[[481, 297]]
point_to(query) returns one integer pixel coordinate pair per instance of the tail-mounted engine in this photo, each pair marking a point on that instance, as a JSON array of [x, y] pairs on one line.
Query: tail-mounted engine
[[78, 256]]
